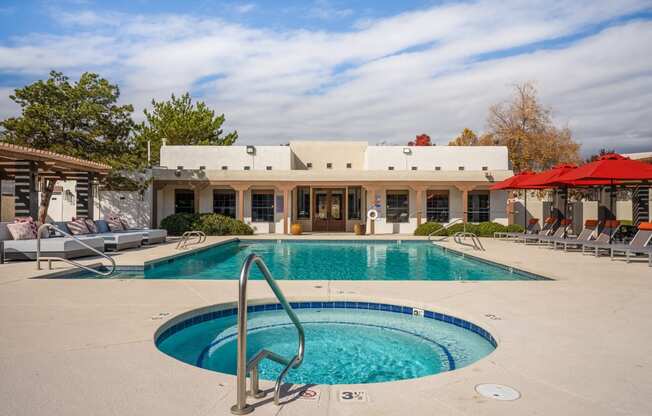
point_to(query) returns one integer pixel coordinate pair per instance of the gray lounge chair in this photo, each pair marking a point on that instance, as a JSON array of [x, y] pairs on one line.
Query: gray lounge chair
[[112, 241], [532, 228], [148, 236], [560, 233], [638, 245], [602, 242], [587, 233], [67, 248], [550, 229]]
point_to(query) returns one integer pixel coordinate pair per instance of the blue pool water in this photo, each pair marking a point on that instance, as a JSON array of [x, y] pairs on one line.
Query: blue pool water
[[343, 346], [328, 260]]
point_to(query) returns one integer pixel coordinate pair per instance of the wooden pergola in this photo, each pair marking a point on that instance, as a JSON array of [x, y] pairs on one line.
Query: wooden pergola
[[28, 166]]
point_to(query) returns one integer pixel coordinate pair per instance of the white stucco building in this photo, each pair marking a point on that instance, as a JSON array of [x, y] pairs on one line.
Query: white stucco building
[[331, 186]]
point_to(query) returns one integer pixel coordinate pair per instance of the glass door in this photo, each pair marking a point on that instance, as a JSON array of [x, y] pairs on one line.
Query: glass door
[[329, 210]]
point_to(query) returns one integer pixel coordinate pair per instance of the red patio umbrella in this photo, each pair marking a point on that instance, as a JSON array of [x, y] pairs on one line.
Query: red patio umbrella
[[609, 169], [515, 182], [548, 177]]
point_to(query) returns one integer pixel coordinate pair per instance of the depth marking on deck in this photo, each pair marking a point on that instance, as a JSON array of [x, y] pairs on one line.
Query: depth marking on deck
[[353, 396]]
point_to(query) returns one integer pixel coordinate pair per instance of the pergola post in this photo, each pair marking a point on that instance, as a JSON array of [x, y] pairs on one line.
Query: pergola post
[[33, 191]]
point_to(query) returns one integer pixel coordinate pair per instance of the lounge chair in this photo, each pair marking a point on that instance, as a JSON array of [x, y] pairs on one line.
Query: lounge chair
[[587, 233], [638, 245], [112, 241], [532, 228], [602, 242], [67, 248], [149, 236], [550, 228], [560, 233]]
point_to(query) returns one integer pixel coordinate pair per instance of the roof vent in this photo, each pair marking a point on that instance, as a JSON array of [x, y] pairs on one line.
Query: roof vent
[[225, 167], [460, 168], [329, 165], [309, 165], [268, 168], [390, 167], [247, 168], [485, 168], [437, 167], [414, 168], [349, 165]]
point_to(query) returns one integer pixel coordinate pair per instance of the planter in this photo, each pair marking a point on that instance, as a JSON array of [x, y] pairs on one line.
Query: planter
[[296, 229], [359, 229]]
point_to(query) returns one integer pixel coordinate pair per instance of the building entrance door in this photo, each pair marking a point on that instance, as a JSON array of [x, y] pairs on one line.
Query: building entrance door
[[328, 210]]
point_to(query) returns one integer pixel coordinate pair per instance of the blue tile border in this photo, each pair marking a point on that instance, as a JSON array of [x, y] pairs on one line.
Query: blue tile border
[[384, 307]]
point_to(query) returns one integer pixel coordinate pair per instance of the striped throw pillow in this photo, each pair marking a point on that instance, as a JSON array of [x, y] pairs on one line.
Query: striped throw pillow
[[21, 231], [77, 227], [90, 224], [115, 224]]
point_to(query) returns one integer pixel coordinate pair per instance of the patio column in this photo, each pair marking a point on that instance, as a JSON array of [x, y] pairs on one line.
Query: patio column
[[286, 189], [371, 202], [419, 207], [240, 189], [465, 200]]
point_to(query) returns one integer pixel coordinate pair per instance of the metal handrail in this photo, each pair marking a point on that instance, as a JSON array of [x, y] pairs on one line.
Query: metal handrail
[[445, 228], [243, 367], [185, 237], [73, 263], [477, 244]]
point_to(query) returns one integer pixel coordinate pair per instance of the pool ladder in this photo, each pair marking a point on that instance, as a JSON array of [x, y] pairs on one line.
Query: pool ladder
[[185, 238], [243, 367]]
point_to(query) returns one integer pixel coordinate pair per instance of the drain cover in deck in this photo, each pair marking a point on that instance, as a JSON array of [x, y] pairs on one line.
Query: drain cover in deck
[[498, 391]]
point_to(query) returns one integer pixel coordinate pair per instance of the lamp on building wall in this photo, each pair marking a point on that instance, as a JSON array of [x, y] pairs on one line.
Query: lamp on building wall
[[407, 150], [178, 171], [251, 150]]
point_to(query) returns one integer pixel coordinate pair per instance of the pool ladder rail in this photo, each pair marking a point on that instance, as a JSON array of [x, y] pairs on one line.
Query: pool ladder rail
[[186, 236], [50, 259], [243, 367], [458, 237]]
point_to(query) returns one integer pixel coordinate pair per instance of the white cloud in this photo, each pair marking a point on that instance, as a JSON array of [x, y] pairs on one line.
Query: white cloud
[[387, 80], [325, 10], [244, 8]]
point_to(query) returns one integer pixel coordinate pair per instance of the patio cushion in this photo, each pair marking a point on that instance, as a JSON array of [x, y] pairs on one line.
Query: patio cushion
[[114, 225], [21, 231], [645, 226], [102, 226], [30, 221], [90, 224], [77, 227], [65, 246]]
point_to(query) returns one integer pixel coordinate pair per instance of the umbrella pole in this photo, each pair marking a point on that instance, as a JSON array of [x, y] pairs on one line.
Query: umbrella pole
[[525, 213]]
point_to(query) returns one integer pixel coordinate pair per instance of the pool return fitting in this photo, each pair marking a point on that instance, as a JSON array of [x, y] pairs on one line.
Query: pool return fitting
[[243, 367]]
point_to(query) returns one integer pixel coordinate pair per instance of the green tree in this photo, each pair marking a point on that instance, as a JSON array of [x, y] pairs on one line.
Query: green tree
[[80, 119], [180, 122]]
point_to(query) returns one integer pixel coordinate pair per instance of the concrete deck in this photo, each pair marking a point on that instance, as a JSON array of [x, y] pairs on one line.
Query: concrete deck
[[578, 345]]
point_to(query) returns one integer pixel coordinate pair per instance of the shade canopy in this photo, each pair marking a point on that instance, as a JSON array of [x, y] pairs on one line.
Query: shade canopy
[[547, 177], [513, 182], [610, 167]]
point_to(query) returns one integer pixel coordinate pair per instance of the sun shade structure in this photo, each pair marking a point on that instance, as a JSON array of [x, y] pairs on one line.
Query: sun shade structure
[[609, 167], [27, 166], [513, 182]]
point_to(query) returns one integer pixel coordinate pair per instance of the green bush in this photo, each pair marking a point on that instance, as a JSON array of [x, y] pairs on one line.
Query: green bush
[[211, 224], [515, 228], [487, 229], [459, 227], [216, 224], [427, 228], [177, 224]]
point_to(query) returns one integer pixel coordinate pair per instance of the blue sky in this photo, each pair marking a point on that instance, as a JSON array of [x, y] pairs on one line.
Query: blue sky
[[373, 70]]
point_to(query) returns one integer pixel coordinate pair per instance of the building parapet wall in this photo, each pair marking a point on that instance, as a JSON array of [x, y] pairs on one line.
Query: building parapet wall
[[429, 158], [233, 157]]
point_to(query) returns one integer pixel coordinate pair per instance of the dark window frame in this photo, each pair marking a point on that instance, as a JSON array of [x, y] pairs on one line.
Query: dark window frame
[[262, 210], [303, 204], [188, 201], [435, 209], [353, 209], [397, 203], [224, 202]]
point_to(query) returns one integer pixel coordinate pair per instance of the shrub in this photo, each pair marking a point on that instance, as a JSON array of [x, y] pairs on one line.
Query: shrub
[[427, 228], [177, 224], [459, 227], [487, 229], [515, 228], [216, 224]]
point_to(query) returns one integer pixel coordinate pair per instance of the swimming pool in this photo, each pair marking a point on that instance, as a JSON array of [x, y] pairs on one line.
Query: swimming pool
[[346, 342], [327, 260]]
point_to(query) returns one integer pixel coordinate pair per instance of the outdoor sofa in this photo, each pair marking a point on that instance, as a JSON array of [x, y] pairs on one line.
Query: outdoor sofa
[[65, 247], [113, 241]]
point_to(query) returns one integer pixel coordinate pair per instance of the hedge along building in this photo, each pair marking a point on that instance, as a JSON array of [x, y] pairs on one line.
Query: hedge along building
[[331, 186]]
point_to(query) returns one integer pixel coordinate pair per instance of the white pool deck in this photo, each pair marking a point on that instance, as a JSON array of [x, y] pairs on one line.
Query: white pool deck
[[578, 345]]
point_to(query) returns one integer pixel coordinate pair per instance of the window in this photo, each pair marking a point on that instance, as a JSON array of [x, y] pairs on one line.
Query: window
[[184, 201], [390, 167], [354, 203], [247, 168], [398, 206], [485, 168], [437, 167], [414, 168], [309, 165], [349, 165], [262, 206], [303, 202], [225, 167], [437, 206], [478, 206], [224, 202], [329, 165], [460, 168], [268, 168]]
